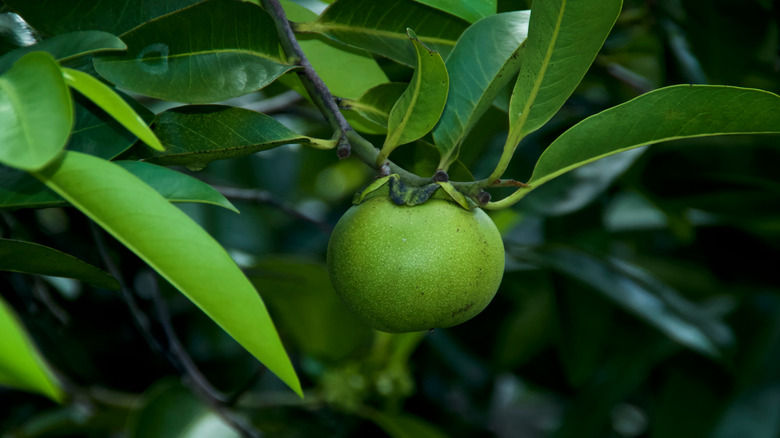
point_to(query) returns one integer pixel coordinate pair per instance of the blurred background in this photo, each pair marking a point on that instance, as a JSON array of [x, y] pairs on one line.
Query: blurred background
[[641, 296]]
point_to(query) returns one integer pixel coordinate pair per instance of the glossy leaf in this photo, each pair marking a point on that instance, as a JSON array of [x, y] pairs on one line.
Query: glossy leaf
[[21, 366], [482, 63], [639, 293], [175, 246], [96, 133], [564, 37], [67, 46], [171, 411], [32, 258], [167, 60], [195, 135], [380, 27], [670, 113], [20, 190], [471, 11], [55, 17], [36, 112], [415, 113], [376, 103], [111, 103]]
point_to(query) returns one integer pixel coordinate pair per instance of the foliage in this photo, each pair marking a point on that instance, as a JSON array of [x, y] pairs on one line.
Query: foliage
[[639, 297]]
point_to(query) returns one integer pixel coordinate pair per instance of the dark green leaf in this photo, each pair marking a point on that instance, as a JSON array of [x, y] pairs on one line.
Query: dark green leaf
[[110, 102], [302, 302], [564, 37], [380, 27], [21, 366], [482, 63], [20, 190], [195, 135], [376, 103], [96, 133], [415, 113], [31, 258], [67, 46], [117, 16], [36, 112], [207, 53], [403, 425], [470, 11], [169, 410], [175, 246], [639, 293]]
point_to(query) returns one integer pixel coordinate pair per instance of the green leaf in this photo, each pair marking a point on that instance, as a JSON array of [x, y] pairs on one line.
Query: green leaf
[[417, 110], [21, 190], [96, 133], [482, 63], [380, 27], [234, 52], [471, 10], [36, 113], [21, 366], [564, 37], [376, 103], [306, 307], [403, 425], [31, 258], [55, 17], [639, 293], [681, 111], [171, 411], [195, 135], [111, 103], [67, 46], [176, 247]]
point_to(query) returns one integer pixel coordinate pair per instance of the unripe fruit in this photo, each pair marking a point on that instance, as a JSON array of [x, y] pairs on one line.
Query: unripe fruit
[[404, 269]]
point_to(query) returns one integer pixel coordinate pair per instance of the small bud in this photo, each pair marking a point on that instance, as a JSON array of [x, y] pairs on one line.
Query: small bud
[[343, 150], [384, 170], [441, 176], [483, 197]]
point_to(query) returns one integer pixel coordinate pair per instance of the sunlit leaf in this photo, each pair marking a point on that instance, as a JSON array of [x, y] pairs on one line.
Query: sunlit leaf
[[682, 111], [67, 46], [32, 258], [564, 37], [175, 246], [36, 112], [195, 135], [482, 63], [470, 11], [380, 27], [110, 102], [415, 113], [235, 51], [21, 366]]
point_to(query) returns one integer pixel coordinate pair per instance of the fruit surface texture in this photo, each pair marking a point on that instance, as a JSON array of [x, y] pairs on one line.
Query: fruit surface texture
[[404, 269]]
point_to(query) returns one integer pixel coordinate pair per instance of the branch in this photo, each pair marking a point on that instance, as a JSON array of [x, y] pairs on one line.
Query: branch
[[265, 197], [317, 89]]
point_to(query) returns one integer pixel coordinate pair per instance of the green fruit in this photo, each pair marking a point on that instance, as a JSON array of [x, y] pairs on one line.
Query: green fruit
[[404, 269]]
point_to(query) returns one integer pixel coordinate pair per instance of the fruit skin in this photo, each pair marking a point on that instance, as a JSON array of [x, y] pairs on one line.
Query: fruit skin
[[404, 269]]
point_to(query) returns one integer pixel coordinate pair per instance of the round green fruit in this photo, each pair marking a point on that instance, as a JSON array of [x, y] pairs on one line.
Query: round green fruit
[[403, 269]]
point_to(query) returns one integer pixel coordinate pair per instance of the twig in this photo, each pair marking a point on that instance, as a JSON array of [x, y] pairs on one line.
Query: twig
[[509, 183], [317, 89], [264, 197], [139, 317], [198, 382]]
